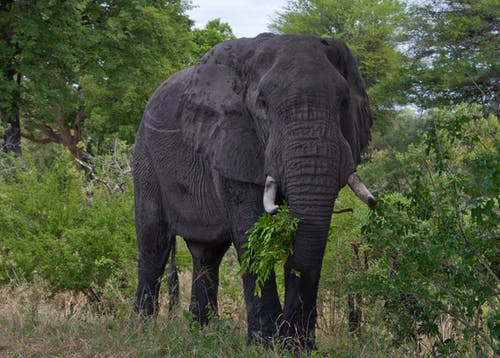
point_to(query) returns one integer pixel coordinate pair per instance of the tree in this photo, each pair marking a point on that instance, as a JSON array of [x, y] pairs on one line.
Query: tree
[[370, 29], [9, 92], [64, 62], [213, 33], [454, 50], [153, 39]]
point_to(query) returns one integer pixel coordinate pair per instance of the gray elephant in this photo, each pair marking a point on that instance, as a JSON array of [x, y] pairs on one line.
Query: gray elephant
[[255, 122]]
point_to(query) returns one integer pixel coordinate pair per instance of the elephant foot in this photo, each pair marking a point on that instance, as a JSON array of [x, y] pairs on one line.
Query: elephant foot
[[145, 305]]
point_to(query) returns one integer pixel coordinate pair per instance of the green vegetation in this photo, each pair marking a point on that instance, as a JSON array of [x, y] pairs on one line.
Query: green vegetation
[[453, 56], [57, 226], [434, 242], [214, 32], [417, 276], [102, 62], [270, 243]]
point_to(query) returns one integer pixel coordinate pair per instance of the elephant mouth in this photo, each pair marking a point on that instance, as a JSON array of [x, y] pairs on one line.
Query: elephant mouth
[[354, 182]]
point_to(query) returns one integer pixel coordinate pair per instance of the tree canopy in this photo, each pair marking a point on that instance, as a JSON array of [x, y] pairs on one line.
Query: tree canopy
[[453, 51], [64, 62], [214, 32]]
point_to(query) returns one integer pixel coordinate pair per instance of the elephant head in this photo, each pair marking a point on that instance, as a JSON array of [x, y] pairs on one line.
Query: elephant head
[[288, 113]]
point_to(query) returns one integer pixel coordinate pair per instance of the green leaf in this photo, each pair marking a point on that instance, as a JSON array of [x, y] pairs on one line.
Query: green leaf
[[270, 243]]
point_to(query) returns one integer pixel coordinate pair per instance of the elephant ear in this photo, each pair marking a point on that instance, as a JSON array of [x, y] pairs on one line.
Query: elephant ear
[[217, 124], [355, 116]]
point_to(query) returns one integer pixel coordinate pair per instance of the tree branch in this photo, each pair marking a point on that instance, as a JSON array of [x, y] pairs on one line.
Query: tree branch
[[31, 138], [470, 326]]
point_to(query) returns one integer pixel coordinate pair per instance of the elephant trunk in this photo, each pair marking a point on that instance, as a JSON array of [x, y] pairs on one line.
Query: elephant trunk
[[311, 185], [314, 209]]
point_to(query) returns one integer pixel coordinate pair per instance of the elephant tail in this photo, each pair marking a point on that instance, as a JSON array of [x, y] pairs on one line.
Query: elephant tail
[[173, 279]]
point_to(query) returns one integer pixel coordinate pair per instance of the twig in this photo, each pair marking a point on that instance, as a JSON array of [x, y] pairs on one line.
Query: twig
[[470, 326], [348, 210]]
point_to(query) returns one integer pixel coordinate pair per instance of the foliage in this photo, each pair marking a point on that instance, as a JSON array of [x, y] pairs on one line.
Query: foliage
[[340, 262], [101, 59], [270, 242], [214, 32], [383, 171], [435, 242], [154, 40], [453, 47], [57, 227]]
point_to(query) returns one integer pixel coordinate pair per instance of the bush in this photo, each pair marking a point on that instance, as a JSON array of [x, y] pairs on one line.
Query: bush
[[435, 242], [56, 224]]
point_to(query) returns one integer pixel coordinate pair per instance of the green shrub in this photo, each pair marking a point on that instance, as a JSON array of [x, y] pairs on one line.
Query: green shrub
[[56, 224], [435, 241]]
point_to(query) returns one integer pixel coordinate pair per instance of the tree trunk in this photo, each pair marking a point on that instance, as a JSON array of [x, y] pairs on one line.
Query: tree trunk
[[10, 118], [64, 135], [355, 301]]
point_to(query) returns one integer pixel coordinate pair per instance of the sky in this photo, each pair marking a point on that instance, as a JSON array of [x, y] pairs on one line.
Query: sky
[[247, 18]]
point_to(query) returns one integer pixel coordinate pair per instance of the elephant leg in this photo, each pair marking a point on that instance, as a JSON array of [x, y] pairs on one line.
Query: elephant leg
[[300, 311], [263, 313], [154, 246], [244, 205], [206, 261], [154, 242]]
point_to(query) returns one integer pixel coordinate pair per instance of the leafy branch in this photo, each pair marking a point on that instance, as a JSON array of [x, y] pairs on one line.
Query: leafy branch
[[270, 242]]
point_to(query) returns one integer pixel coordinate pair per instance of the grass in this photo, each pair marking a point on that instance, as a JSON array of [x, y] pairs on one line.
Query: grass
[[34, 323], [66, 326]]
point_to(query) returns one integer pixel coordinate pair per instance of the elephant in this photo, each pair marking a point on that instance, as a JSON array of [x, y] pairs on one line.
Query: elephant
[[255, 122]]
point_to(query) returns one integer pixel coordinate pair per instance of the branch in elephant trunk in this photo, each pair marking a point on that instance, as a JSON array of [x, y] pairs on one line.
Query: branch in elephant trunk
[[270, 191], [348, 210], [360, 190]]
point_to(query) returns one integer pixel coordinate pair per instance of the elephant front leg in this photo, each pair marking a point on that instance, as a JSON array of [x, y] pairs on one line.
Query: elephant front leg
[[263, 313], [297, 328], [244, 206]]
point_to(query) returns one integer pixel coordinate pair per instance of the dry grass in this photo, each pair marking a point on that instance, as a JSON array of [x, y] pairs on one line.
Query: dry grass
[[67, 325], [33, 324]]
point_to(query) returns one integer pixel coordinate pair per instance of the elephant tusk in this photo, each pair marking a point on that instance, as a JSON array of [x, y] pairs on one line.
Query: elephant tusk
[[360, 190], [269, 200]]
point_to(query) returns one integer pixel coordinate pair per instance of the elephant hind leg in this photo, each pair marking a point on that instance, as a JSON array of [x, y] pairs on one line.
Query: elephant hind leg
[[207, 258], [154, 241], [154, 247]]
